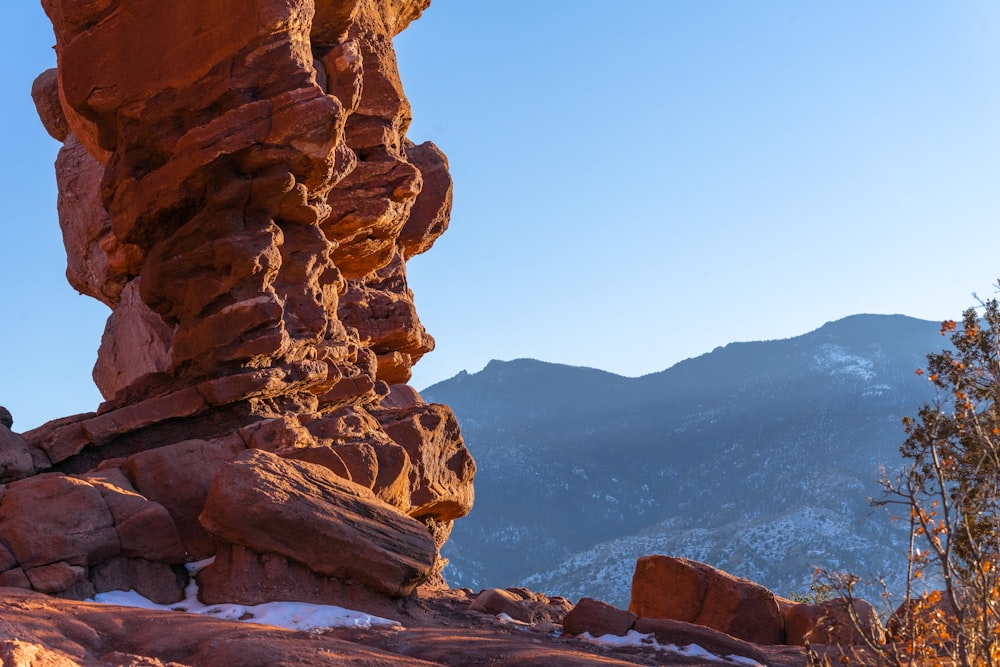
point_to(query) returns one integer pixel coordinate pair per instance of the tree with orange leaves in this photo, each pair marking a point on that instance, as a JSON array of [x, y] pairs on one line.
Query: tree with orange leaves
[[950, 493]]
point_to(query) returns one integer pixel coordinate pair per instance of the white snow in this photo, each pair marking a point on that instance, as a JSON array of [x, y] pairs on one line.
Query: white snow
[[838, 361], [632, 639], [638, 640], [311, 617], [291, 615]]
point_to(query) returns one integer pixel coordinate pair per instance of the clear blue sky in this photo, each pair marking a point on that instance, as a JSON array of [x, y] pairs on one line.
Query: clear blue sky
[[634, 185]]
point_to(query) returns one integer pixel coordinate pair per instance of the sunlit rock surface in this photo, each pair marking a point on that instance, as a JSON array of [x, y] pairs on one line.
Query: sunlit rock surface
[[236, 184]]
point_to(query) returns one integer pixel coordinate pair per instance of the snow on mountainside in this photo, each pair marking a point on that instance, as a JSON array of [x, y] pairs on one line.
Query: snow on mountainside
[[757, 458]]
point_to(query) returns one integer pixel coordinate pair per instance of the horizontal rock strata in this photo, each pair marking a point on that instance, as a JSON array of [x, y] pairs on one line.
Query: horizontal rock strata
[[236, 185]]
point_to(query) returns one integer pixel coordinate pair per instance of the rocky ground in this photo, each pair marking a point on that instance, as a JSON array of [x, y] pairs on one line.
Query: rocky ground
[[438, 628]]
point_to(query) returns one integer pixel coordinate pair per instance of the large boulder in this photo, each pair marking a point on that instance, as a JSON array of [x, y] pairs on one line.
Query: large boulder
[[522, 605], [444, 467], [933, 610], [53, 517], [497, 601], [136, 343], [144, 527], [97, 264], [15, 457], [79, 535], [833, 622], [241, 575], [45, 94], [598, 618], [693, 592], [178, 477], [310, 515]]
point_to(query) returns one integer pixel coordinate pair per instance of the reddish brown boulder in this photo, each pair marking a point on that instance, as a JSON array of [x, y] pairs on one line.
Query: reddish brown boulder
[[831, 622], [361, 461], [689, 591], [136, 343], [361, 447], [17, 653], [394, 475], [15, 578], [932, 610], [65, 439], [444, 467], [45, 94], [15, 457], [432, 209], [401, 396], [178, 477], [598, 618], [70, 546], [307, 514], [145, 528], [276, 435], [241, 575], [323, 456], [55, 577], [50, 518], [97, 264], [498, 601], [521, 605], [380, 308]]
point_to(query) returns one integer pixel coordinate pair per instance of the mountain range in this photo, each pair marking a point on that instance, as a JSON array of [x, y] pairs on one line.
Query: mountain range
[[758, 458]]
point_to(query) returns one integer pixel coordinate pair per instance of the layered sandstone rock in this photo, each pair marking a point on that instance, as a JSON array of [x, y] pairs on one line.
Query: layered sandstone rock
[[307, 513], [236, 184]]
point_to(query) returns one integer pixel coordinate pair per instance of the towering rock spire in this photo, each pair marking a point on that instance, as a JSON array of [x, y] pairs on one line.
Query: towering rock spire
[[236, 184]]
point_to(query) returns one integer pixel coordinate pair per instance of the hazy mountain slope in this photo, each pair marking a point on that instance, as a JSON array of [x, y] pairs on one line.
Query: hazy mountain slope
[[756, 457]]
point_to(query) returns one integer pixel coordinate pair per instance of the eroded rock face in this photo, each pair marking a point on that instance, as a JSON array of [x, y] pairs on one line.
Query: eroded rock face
[[236, 184]]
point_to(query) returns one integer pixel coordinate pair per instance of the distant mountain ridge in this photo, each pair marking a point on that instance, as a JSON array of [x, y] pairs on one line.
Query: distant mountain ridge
[[756, 457]]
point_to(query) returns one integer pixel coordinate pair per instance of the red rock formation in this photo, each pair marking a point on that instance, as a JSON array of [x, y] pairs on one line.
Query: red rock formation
[[307, 513], [598, 618], [521, 605], [685, 590], [237, 186], [831, 622]]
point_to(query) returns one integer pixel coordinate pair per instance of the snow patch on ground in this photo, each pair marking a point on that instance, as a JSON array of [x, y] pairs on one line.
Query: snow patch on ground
[[290, 615], [636, 639]]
